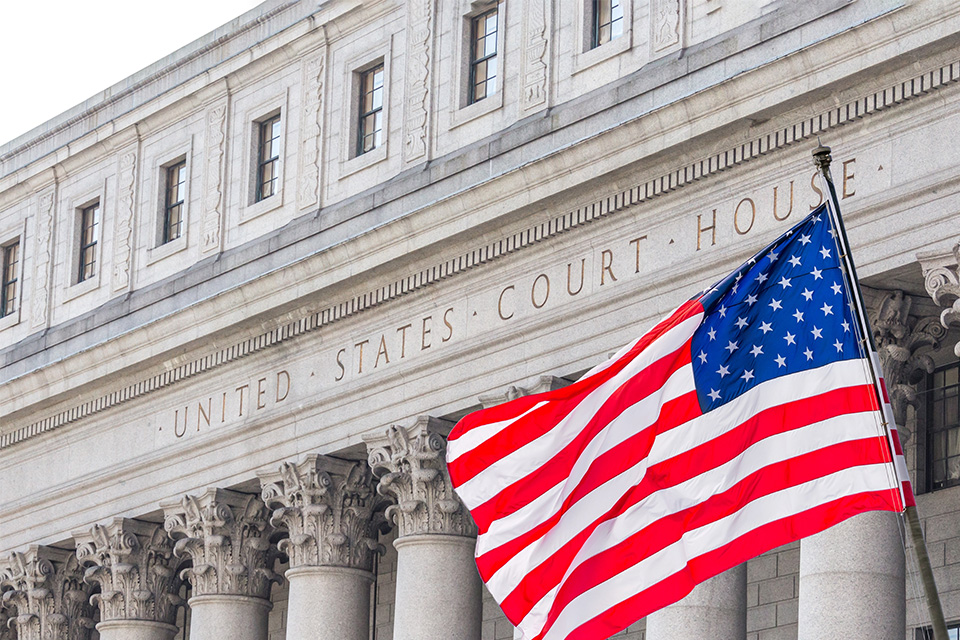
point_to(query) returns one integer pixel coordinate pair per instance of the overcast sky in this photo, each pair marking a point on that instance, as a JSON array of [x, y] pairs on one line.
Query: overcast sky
[[58, 53]]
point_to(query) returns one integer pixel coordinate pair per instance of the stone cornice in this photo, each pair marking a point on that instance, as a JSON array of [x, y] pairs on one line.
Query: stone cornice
[[772, 140]]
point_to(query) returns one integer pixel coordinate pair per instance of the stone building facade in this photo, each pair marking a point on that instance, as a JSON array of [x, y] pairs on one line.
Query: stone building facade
[[248, 291]]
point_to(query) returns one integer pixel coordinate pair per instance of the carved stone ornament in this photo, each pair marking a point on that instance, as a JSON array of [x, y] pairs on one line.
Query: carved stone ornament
[[328, 507], [226, 534], [415, 120], [903, 343], [413, 472], [311, 127], [7, 626], [45, 587], [123, 238], [941, 275], [133, 563], [666, 24], [535, 55], [215, 135], [44, 234], [542, 384]]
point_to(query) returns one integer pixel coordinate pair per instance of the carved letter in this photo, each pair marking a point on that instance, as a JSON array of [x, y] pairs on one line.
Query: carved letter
[[500, 304], [546, 296], [636, 241], [204, 414], [816, 189], [789, 211], [286, 389], [583, 268], [343, 371], [240, 390], [403, 340], [448, 324], [736, 216], [360, 345], [848, 177], [712, 229], [261, 391], [606, 261], [382, 351], [426, 331]]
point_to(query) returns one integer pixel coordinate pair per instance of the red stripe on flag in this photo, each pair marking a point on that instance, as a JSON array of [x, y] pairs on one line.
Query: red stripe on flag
[[764, 538]]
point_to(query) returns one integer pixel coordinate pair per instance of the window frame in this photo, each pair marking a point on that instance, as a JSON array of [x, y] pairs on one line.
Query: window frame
[[10, 276], [93, 247], [938, 393], [926, 633], [474, 62], [595, 12], [586, 54], [250, 118], [167, 169], [362, 115], [274, 121]]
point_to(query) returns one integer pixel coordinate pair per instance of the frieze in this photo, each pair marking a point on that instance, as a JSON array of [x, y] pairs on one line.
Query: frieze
[[701, 222]]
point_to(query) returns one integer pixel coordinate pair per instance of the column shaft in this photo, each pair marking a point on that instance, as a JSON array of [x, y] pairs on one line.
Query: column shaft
[[328, 603], [135, 630], [715, 609], [438, 589], [228, 617], [852, 580]]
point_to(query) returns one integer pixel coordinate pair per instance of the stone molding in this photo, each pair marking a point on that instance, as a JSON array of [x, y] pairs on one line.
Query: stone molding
[[650, 189], [903, 344], [45, 586], [134, 565], [411, 464], [226, 534], [328, 506]]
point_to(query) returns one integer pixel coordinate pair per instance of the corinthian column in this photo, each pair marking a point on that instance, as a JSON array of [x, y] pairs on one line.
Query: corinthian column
[[438, 588], [133, 563], [45, 586], [327, 506], [226, 534]]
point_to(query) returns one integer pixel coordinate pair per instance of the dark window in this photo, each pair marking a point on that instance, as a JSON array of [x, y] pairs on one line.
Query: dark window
[[926, 633], [89, 221], [943, 428], [176, 181], [370, 127], [607, 21], [483, 56], [268, 158], [8, 294]]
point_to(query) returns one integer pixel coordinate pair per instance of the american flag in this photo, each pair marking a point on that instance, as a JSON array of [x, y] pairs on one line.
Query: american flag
[[744, 420]]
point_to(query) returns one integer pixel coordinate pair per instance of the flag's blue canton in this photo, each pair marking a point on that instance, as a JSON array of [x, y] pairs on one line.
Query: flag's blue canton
[[785, 310]]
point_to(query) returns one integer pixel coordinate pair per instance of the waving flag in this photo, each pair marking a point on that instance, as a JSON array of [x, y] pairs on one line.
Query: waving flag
[[744, 420]]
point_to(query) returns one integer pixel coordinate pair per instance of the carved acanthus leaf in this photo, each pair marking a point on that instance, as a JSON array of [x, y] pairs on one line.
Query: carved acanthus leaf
[[133, 563], [227, 536], [45, 586], [329, 508], [904, 344], [411, 464]]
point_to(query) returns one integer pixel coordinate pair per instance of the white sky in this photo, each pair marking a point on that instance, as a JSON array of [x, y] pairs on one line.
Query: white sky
[[58, 53]]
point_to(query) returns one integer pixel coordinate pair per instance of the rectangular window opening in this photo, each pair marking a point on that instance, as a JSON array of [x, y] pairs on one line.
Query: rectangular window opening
[[943, 428], [607, 21], [89, 228], [370, 125], [8, 293], [483, 56], [268, 158], [176, 182]]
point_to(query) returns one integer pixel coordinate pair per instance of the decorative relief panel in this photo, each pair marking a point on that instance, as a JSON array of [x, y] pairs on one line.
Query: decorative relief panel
[[45, 586], [328, 506], [413, 472], [41, 277], [417, 93], [226, 534], [311, 130], [123, 235], [903, 343], [666, 16], [535, 55], [134, 565], [214, 140]]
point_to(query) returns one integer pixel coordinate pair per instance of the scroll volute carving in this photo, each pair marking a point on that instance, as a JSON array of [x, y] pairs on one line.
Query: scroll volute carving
[[45, 587], [329, 507], [410, 462], [904, 344], [941, 275], [134, 565], [227, 535]]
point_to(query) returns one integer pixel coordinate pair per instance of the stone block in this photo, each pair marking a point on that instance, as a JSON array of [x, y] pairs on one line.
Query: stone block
[[762, 617], [761, 568], [787, 612], [788, 562], [753, 594], [777, 590], [942, 527], [788, 632]]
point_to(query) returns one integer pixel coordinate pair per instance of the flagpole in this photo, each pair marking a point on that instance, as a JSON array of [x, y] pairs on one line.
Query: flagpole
[[822, 159]]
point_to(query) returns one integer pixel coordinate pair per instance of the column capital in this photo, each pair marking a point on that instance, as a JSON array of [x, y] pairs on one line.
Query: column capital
[[328, 505], [904, 342], [45, 586], [540, 385], [941, 279], [7, 618], [227, 535], [134, 565], [410, 462]]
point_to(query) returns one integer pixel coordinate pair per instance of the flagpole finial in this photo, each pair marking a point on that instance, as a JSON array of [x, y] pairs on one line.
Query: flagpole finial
[[821, 156]]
